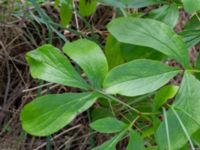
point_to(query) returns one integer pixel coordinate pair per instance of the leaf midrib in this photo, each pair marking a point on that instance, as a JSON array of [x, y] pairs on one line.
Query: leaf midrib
[[141, 78]]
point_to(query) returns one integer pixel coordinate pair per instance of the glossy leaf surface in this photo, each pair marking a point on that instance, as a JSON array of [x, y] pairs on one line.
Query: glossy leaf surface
[[66, 13], [47, 114], [113, 52], [87, 7], [89, 56], [187, 106], [108, 125], [168, 14], [191, 5], [135, 141], [49, 64], [138, 77], [150, 33], [164, 94], [191, 37]]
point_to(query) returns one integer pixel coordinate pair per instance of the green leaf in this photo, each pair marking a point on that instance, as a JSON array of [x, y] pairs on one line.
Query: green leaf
[[197, 63], [48, 114], [187, 106], [191, 6], [87, 7], [56, 3], [113, 52], [108, 125], [183, 128], [66, 13], [131, 3], [168, 14], [196, 137], [191, 37], [111, 144], [164, 94], [90, 58], [131, 52], [117, 52], [147, 132], [150, 33], [185, 147], [191, 32], [192, 23], [100, 112], [138, 77], [48, 63], [135, 141]]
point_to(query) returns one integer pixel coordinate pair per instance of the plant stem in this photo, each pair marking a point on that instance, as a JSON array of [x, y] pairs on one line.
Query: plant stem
[[193, 70], [123, 103], [130, 126], [119, 101], [183, 128], [167, 128], [123, 12], [91, 136]]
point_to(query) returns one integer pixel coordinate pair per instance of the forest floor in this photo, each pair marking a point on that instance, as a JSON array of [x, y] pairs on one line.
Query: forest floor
[[20, 34]]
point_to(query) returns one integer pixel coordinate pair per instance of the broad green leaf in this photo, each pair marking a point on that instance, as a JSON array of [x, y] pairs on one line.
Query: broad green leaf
[[187, 134], [163, 95], [131, 3], [197, 67], [196, 137], [160, 98], [191, 32], [131, 52], [197, 63], [113, 52], [48, 114], [108, 125], [49, 64], [138, 77], [111, 144], [150, 33], [90, 58], [185, 147], [117, 52], [192, 23], [191, 6], [135, 141], [100, 112], [191, 37], [187, 106], [66, 13], [87, 7], [147, 132], [56, 3], [168, 14]]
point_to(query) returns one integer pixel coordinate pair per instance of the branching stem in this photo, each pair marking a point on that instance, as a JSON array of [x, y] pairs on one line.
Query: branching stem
[[110, 97]]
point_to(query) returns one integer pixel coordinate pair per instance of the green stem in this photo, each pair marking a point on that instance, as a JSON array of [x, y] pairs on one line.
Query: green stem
[[119, 101], [193, 70], [91, 136], [123, 103], [132, 123], [123, 12]]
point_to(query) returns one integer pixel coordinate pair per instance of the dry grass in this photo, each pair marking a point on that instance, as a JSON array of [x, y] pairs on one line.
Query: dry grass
[[18, 36]]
